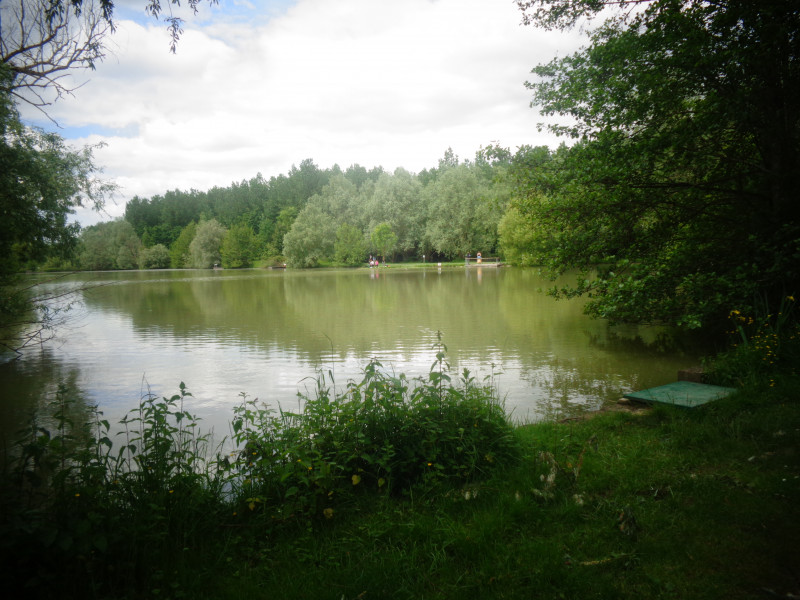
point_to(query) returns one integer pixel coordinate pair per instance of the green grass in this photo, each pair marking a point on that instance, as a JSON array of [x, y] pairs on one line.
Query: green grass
[[671, 504], [666, 503]]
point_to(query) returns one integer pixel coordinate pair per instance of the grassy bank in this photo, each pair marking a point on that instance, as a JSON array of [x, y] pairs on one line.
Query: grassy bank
[[397, 489], [661, 504]]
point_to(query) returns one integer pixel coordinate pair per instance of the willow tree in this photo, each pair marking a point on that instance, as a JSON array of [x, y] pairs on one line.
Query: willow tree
[[680, 196]]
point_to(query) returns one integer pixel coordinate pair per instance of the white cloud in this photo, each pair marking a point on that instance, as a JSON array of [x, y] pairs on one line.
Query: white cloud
[[374, 82]]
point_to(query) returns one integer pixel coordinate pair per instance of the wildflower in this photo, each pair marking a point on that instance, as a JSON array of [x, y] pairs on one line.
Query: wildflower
[[77, 495], [328, 512], [356, 479], [172, 491]]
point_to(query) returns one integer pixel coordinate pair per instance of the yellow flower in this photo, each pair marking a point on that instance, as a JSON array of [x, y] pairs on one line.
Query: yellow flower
[[356, 479], [328, 512]]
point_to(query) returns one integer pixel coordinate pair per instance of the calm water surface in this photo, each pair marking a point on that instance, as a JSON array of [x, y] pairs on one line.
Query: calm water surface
[[268, 334]]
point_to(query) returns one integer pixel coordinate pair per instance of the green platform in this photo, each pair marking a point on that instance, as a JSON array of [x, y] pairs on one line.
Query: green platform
[[681, 393]]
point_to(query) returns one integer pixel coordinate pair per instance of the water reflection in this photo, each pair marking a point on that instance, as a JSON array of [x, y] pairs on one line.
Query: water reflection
[[264, 332]]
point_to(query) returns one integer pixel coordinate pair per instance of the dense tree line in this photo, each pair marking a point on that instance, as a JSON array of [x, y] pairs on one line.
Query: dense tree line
[[313, 216]]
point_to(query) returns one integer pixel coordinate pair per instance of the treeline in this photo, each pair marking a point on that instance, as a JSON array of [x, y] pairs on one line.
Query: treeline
[[312, 216]]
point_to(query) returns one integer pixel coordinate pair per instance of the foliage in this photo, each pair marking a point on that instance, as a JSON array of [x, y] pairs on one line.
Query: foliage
[[350, 248], [72, 506], [461, 219], [179, 256], [42, 182], [381, 435], [396, 200], [283, 224], [111, 245], [517, 238], [763, 345], [238, 247], [383, 239], [681, 187], [311, 237], [154, 257], [315, 203], [204, 250]]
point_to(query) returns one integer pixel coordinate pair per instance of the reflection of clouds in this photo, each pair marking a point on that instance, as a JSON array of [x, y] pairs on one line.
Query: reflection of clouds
[[266, 335]]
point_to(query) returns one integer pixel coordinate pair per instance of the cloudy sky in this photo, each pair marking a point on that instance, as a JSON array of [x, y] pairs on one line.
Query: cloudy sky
[[259, 85]]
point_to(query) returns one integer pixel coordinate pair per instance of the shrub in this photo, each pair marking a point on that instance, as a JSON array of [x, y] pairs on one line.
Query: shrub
[[384, 434], [155, 257], [762, 345]]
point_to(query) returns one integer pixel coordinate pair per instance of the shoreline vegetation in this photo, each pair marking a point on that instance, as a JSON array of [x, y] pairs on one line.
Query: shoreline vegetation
[[418, 489]]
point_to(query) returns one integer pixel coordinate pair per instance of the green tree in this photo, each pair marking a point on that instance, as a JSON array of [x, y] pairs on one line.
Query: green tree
[[111, 245], [283, 225], [154, 257], [311, 238], [204, 250], [238, 247], [42, 182], [384, 239], [396, 199], [179, 256], [683, 185], [518, 238], [461, 217], [350, 248]]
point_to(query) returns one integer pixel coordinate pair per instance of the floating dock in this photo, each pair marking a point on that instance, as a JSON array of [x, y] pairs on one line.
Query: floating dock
[[681, 393]]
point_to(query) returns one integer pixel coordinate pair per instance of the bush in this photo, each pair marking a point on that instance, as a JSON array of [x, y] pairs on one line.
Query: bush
[[155, 257], [763, 344], [384, 434], [72, 506]]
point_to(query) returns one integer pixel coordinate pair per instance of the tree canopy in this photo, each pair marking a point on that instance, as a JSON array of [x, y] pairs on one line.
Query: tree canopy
[[683, 184], [42, 182]]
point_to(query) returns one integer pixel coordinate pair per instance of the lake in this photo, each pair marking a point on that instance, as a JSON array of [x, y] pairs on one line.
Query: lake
[[269, 333]]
